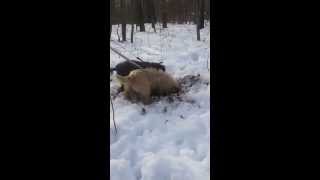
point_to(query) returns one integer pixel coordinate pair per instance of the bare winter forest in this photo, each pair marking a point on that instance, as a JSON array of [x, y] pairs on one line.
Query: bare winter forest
[[136, 13]]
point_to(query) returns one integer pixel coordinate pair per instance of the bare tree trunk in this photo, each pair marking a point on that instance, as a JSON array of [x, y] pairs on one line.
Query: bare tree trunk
[[165, 20], [132, 17], [154, 26], [164, 13], [140, 16], [123, 19], [118, 33], [124, 33], [154, 17], [198, 31], [202, 14], [197, 9], [132, 29]]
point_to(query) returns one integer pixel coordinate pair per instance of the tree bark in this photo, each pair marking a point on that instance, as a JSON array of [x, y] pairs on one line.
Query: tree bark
[[154, 17], [123, 19], [140, 16], [202, 14], [132, 29], [164, 13], [118, 34], [197, 8]]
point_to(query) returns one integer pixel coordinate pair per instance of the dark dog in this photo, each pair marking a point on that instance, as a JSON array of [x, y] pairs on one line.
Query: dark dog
[[124, 68]]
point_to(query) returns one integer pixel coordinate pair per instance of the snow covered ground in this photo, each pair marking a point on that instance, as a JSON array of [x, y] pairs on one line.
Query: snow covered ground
[[170, 141]]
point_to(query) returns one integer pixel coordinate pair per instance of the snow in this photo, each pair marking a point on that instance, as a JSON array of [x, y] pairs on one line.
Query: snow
[[170, 141]]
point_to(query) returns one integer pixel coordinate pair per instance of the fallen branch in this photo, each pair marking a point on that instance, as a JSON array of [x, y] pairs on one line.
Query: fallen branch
[[126, 58]]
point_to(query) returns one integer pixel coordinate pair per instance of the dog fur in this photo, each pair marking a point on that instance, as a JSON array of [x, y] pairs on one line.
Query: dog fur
[[141, 84]]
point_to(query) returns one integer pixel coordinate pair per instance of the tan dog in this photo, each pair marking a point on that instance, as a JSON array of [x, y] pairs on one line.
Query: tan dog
[[141, 84]]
